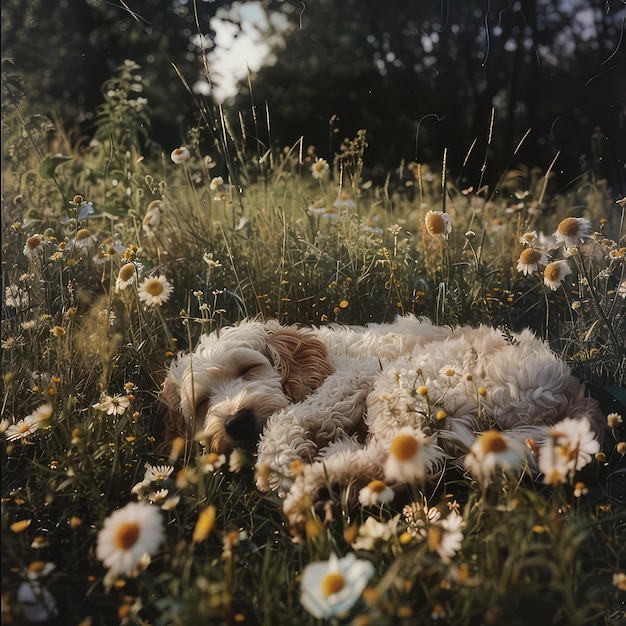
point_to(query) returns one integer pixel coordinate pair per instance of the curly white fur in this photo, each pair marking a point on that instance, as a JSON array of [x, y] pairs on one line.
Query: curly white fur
[[325, 403]]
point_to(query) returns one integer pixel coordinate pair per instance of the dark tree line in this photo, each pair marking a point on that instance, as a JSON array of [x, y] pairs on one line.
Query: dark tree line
[[443, 66]]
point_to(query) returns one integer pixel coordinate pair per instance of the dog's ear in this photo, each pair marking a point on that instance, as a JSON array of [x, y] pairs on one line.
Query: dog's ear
[[300, 358], [174, 421]]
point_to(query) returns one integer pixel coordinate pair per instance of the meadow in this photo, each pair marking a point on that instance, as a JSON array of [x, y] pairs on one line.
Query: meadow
[[118, 253]]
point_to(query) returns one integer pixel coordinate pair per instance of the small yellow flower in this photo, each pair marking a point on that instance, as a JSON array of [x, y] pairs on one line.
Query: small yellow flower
[[21, 526], [204, 525]]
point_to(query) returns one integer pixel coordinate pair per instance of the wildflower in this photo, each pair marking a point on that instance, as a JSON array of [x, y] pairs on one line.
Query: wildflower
[[152, 218], [84, 238], [493, 451], [39, 569], [126, 276], [237, 461], [576, 441], [530, 259], [438, 223], [156, 473], [204, 525], [180, 155], [580, 489], [212, 461], [621, 289], [376, 492], [327, 213], [620, 448], [570, 446], [216, 183], [411, 456], [127, 535], [155, 291], [210, 261], [33, 248], [320, 169], [613, 420], [445, 537], [554, 273], [418, 516], [37, 604], [571, 230], [619, 580], [330, 588], [113, 405], [23, 428], [16, 297], [529, 238], [373, 531], [57, 331]]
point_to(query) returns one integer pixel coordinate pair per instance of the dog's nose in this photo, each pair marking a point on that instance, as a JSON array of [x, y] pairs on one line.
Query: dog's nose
[[241, 426]]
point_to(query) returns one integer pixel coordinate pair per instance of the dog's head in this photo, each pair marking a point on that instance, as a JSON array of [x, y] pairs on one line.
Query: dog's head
[[225, 390]]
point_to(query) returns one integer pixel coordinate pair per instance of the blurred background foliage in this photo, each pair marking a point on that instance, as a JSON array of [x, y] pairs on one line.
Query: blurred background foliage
[[555, 67]]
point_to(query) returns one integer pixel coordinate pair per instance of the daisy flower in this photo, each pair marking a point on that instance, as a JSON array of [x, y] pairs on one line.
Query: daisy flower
[[155, 291], [126, 276], [571, 230], [529, 238], [22, 429], [180, 155], [554, 274], [113, 405], [530, 259], [84, 238], [552, 464], [34, 247], [320, 169], [331, 588], [613, 420], [373, 531], [376, 492], [575, 440], [212, 461], [216, 183], [493, 452], [438, 223], [412, 456], [127, 535], [157, 472], [446, 536]]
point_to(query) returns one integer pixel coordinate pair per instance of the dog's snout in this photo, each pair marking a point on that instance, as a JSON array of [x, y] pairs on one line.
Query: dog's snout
[[241, 425]]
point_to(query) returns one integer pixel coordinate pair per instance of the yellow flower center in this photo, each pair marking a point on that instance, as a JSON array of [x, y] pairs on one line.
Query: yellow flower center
[[441, 415], [493, 441], [33, 242], [127, 271], [449, 372], [435, 224], [377, 486], [423, 390], [553, 272], [24, 428], [154, 287], [36, 566], [126, 535], [332, 583], [83, 233], [404, 447], [77, 199], [569, 227], [529, 256]]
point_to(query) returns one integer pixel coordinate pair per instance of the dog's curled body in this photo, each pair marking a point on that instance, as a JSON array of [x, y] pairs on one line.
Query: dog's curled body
[[321, 405]]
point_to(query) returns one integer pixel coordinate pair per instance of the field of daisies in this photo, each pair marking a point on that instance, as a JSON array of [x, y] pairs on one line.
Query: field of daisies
[[118, 253]]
